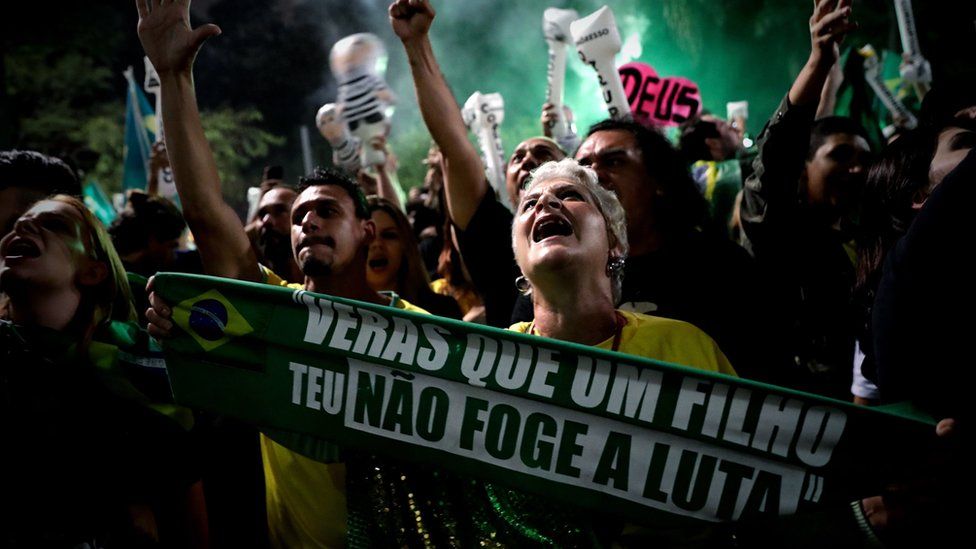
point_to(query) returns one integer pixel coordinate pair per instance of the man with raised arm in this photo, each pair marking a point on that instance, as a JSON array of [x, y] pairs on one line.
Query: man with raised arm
[[330, 234], [796, 210], [484, 224]]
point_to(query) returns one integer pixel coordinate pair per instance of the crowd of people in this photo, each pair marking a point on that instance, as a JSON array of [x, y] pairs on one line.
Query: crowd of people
[[839, 270]]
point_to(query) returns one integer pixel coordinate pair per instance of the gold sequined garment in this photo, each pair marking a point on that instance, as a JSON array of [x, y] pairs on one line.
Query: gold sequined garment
[[394, 504]]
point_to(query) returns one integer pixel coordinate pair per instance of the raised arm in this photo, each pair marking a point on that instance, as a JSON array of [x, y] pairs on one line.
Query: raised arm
[[829, 24], [769, 194], [464, 175], [172, 45]]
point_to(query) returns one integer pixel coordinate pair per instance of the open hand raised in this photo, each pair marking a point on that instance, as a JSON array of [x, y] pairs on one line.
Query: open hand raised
[[166, 36], [829, 24]]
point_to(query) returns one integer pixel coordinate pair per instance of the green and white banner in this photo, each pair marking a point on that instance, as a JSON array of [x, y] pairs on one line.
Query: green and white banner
[[595, 428]]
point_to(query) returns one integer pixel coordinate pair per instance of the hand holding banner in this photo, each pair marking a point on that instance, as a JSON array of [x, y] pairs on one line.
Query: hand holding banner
[[598, 41]]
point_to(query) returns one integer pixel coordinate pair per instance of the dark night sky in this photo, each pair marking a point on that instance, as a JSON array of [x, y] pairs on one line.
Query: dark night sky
[[735, 49]]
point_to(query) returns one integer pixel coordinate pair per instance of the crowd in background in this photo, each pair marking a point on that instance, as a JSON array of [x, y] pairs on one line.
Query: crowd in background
[[833, 266]]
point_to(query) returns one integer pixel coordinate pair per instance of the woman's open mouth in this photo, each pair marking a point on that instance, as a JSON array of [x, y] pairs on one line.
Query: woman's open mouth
[[549, 227], [21, 248]]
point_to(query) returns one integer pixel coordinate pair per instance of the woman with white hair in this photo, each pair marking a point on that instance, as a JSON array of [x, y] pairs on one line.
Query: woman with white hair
[[570, 241]]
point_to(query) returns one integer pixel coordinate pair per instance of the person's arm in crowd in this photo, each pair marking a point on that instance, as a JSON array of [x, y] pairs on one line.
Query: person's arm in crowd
[[769, 194], [172, 45], [464, 175], [828, 97], [829, 24], [157, 161], [385, 187]]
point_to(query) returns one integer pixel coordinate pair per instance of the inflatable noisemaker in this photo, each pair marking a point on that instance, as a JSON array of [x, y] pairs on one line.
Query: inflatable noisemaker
[[872, 73], [916, 69], [483, 114], [555, 27], [166, 183], [598, 41], [737, 110], [363, 96], [345, 146]]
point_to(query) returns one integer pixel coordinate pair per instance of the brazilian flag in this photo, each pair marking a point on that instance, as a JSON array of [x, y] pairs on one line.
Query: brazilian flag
[[140, 134], [857, 100], [211, 319]]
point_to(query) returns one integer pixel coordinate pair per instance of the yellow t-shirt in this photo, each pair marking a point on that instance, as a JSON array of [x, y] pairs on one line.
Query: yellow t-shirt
[[663, 339], [306, 499], [466, 299]]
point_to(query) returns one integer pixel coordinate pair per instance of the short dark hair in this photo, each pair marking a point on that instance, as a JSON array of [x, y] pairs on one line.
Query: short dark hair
[[831, 125], [40, 172], [145, 216], [694, 132], [681, 208], [332, 176]]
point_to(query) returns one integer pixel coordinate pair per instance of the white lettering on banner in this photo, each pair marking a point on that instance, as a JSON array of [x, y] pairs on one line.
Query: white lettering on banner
[[365, 332], [635, 392], [658, 470], [403, 342], [372, 334], [590, 382], [511, 368], [320, 316], [703, 407], [435, 358], [322, 389], [345, 321]]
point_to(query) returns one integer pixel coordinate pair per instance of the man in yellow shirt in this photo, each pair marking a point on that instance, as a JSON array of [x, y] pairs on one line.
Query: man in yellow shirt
[[330, 235]]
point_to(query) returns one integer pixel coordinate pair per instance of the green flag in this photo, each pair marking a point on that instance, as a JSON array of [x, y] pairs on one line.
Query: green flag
[[140, 133], [578, 424], [99, 203]]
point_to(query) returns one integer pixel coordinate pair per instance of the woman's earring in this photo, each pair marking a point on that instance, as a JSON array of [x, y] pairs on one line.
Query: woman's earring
[[614, 266], [523, 285]]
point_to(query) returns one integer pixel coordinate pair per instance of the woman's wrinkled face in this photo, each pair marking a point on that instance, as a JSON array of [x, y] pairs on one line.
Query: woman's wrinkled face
[[558, 226], [385, 253], [45, 249]]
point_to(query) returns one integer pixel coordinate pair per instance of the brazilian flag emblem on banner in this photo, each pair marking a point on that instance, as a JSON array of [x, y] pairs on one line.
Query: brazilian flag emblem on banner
[[212, 319]]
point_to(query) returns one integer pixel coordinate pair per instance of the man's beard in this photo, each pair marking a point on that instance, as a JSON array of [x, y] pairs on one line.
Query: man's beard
[[315, 267], [311, 265]]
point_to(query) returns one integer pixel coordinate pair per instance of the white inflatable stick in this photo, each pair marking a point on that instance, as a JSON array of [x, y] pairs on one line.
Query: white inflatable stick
[[872, 73], [916, 69], [483, 114], [166, 183], [598, 41], [555, 28]]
